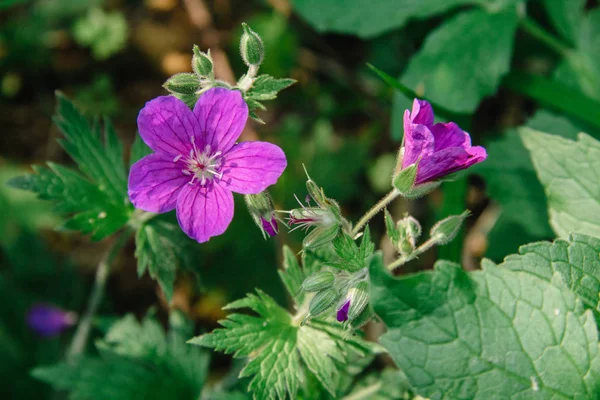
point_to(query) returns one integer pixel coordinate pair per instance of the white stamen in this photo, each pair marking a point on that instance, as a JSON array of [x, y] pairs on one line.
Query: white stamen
[[177, 158]]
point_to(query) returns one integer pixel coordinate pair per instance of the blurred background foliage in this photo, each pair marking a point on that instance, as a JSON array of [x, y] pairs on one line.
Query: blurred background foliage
[[490, 65]]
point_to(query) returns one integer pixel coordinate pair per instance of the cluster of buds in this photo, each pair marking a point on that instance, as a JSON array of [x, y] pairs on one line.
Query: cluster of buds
[[404, 234], [188, 86], [262, 210], [325, 217], [346, 294]]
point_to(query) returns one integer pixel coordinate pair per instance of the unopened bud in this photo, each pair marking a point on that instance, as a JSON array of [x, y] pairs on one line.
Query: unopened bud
[[320, 236], [318, 281], [322, 301], [262, 210], [409, 230], [184, 83], [447, 229], [359, 298], [252, 48], [202, 63], [47, 320]]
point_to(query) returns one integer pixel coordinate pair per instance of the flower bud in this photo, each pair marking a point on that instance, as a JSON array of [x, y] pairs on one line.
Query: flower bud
[[202, 63], [359, 298], [320, 236], [447, 229], [409, 231], [322, 301], [48, 320], [262, 210], [184, 83], [252, 48], [318, 281]]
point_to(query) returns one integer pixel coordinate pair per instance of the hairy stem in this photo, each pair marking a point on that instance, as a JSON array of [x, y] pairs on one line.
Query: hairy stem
[[416, 253], [534, 29], [364, 393], [374, 210], [85, 323]]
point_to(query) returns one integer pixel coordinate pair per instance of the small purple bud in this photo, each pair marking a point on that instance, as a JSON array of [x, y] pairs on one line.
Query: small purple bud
[[269, 226], [342, 313], [48, 320]]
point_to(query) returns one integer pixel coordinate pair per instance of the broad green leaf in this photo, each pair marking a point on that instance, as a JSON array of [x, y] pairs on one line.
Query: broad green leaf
[[581, 67], [160, 367], [566, 16], [569, 172], [512, 183], [162, 248], [463, 60], [281, 352], [576, 261], [494, 333], [98, 198], [362, 18]]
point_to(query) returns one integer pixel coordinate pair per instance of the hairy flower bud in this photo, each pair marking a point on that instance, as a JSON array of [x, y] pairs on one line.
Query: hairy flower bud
[[202, 63], [252, 48], [48, 320], [262, 210], [183, 83], [359, 298], [322, 301], [318, 281], [409, 231], [447, 229]]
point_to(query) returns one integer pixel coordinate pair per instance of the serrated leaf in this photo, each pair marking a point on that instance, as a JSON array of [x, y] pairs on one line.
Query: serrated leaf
[[281, 353], [576, 261], [360, 18], [292, 275], [159, 368], [442, 70], [569, 172], [266, 87], [161, 249], [491, 333]]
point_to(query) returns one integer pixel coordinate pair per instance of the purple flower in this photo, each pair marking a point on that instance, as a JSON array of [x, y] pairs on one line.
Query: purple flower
[[48, 320], [269, 226], [196, 164], [440, 149], [342, 312]]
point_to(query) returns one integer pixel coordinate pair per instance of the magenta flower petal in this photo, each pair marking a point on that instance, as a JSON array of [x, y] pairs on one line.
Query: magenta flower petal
[[269, 226], [204, 211], [48, 320], [154, 183], [439, 149], [342, 313], [221, 115], [250, 167], [166, 125]]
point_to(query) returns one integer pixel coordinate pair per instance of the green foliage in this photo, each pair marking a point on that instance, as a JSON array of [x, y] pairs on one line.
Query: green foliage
[[495, 332], [104, 32], [265, 87], [98, 198], [360, 17], [162, 248], [471, 41], [281, 351], [512, 182], [136, 360], [352, 257], [575, 261], [566, 16], [569, 173]]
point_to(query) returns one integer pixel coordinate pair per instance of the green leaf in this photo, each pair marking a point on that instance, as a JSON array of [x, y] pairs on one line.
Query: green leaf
[[281, 353], [581, 66], [569, 172], [162, 248], [555, 95], [511, 181], [135, 361], [265, 87], [491, 333], [566, 16], [352, 258], [361, 18], [575, 261], [98, 199], [473, 40]]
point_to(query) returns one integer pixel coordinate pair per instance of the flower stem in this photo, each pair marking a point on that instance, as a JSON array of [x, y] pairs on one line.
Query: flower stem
[[417, 252], [85, 323], [374, 210], [534, 29]]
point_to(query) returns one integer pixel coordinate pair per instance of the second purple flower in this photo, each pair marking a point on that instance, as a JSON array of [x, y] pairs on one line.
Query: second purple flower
[[196, 164]]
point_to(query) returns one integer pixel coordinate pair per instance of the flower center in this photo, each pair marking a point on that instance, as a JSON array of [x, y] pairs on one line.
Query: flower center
[[202, 166]]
